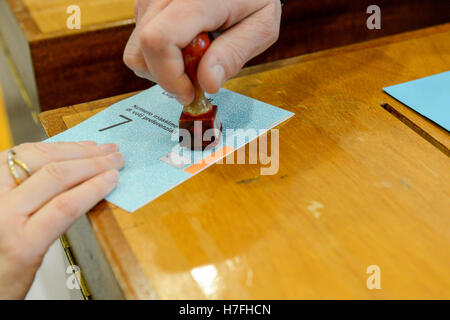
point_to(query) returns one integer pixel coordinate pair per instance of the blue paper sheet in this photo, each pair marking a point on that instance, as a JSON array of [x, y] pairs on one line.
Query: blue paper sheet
[[428, 96], [145, 128]]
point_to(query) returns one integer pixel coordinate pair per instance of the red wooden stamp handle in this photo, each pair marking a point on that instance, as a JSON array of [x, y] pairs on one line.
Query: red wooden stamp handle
[[200, 118], [193, 53]]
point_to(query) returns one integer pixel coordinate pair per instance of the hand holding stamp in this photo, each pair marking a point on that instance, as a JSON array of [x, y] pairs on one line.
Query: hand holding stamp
[[200, 118]]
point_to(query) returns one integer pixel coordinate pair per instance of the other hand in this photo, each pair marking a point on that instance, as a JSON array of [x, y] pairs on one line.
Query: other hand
[[67, 180]]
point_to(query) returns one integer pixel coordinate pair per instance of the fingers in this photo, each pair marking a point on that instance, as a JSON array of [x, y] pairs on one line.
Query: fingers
[[162, 37], [133, 57], [232, 49], [182, 20], [57, 177], [148, 9], [154, 49], [37, 155], [50, 222], [166, 63]]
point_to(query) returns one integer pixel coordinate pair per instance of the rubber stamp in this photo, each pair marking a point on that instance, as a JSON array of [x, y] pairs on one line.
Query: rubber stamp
[[200, 118]]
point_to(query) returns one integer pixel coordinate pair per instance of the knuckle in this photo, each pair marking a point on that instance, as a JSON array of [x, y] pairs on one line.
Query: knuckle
[[56, 172], [137, 7], [268, 33], [129, 59], [152, 38], [66, 206], [42, 149], [86, 152], [270, 28], [192, 8], [133, 62], [237, 58], [27, 145], [98, 189], [100, 164], [272, 33], [89, 152], [141, 4], [137, 65], [270, 24], [131, 50]]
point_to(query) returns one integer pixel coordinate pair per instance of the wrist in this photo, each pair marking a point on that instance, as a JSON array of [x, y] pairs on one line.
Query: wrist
[[16, 278]]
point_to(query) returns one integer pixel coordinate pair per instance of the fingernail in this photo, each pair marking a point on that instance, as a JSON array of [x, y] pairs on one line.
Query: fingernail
[[218, 73], [110, 147], [88, 143], [112, 176], [115, 157]]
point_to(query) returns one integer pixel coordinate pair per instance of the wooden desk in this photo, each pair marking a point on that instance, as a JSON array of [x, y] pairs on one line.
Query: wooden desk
[[357, 186], [60, 66]]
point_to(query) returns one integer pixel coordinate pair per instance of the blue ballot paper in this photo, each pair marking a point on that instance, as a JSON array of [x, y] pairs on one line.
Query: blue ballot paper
[[145, 127], [428, 96]]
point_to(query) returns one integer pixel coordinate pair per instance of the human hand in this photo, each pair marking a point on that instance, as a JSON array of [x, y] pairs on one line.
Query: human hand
[[164, 27], [67, 180]]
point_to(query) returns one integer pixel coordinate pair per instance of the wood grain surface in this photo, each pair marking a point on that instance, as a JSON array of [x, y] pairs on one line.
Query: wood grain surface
[[47, 19], [356, 187], [51, 15]]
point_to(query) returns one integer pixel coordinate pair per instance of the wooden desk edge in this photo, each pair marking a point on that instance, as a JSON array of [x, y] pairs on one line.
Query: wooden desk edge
[[52, 120]]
